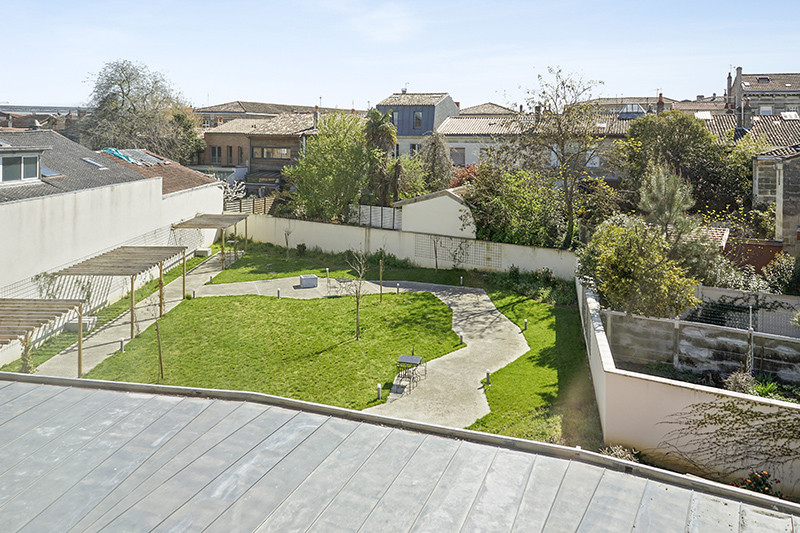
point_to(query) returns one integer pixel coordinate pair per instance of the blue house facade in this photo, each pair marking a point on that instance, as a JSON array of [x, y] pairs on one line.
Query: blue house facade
[[416, 115]]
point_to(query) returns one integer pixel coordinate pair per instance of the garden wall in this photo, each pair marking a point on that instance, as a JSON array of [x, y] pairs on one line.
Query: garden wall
[[698, 347], [645, 412], [422, 249]]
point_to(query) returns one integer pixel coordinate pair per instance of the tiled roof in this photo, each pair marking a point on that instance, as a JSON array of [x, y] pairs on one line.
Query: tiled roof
[[413, 99], [479, 125], [770, 83], [80, 458], [717, 235], [620, 101], [489, 108], [776, 130], [174, 177], [285, 124], [261, 108], [66, 158], [787, 152], [690, 107], [238, 125]]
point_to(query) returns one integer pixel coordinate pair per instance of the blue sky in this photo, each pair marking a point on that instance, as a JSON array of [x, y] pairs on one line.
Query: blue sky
[[355, 53]]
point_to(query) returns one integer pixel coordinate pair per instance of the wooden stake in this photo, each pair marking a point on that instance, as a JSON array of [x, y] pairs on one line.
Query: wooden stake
[[161, 289], [160, 359], [132, 317], [80, 340]]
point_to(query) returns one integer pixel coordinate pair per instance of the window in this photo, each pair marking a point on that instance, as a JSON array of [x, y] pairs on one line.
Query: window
[[458, 156], [395, 117], [592, 160], [241, 156], [216, 154], [16, 168], [397, 150], [272, 153], [414, 148], [230, 155], [765, 110], [417, 119]]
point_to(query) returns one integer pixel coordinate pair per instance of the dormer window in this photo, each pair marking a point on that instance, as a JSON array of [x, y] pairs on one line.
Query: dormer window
[[18, 167]]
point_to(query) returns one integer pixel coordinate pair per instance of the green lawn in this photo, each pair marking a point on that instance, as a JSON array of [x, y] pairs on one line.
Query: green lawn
[[58, 343], [304, 349], [546, 394]]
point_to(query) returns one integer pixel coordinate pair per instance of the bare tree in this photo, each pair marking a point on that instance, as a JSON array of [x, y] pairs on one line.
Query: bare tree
[[357, 261]]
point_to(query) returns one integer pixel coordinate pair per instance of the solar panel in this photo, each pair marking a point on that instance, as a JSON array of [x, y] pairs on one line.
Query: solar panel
[[94, 163]]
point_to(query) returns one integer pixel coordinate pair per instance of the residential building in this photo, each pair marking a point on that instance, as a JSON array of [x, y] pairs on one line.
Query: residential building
[[763, 94], [62, 203], [257, 149], [416, 115], [469, 137], [216, 115]]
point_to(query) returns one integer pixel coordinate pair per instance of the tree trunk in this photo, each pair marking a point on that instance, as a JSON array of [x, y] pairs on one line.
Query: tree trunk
[[358, 324]]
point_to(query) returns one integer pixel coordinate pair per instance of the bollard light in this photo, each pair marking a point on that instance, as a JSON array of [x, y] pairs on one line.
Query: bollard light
[[211, 278], [327, 272], [526, 325], [398, 288], [122, 345], [487, 377], [461, 280], [194, 293], [379, 391], [279, 294]]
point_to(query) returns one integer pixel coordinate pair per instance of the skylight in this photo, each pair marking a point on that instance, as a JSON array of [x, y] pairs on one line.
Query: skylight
[[703, 115], [95, 163], [3, 143], [790, 115], [48, 173]]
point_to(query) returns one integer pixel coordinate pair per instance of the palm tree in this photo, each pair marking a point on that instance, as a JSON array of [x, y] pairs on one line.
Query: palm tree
[[381, 138]]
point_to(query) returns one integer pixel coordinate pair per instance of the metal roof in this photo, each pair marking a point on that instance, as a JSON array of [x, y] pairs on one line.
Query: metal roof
[[19, 317], [74, 457], [212, 221], [123, 261]]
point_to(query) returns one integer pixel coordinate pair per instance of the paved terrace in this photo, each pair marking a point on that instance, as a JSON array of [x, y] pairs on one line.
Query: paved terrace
[[78, 456]]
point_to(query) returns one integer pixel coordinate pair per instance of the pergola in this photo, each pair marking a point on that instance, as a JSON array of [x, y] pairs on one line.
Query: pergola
[[130, 261], [19, 318], [220, 222]]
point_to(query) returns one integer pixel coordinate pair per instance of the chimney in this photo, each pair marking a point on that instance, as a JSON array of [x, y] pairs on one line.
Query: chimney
[[403, 90], [660, 104], [538, 111], [458, 105], [728, 90], [520, 108], [316, 116], [737, 89]]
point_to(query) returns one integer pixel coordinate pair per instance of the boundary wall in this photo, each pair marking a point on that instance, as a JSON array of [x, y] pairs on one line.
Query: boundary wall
[[423, 249], [642, 412]]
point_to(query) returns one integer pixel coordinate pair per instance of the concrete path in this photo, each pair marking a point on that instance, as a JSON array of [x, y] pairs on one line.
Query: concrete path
[[451, 394], [103, 342]]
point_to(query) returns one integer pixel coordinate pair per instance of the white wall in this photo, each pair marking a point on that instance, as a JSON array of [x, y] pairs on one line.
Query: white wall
[[184, 205], [634, 407], [472, 148], [416, 247], [441, 215], [55, 230]]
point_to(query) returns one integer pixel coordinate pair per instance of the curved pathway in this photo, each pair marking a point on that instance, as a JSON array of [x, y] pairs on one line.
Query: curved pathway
[[451, 394]]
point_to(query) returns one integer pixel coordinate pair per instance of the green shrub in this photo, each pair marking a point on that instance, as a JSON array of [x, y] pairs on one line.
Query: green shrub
[[301, 249]]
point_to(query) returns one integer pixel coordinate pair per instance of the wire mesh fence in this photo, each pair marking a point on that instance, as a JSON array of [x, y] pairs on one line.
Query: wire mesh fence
[[761, 312]]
